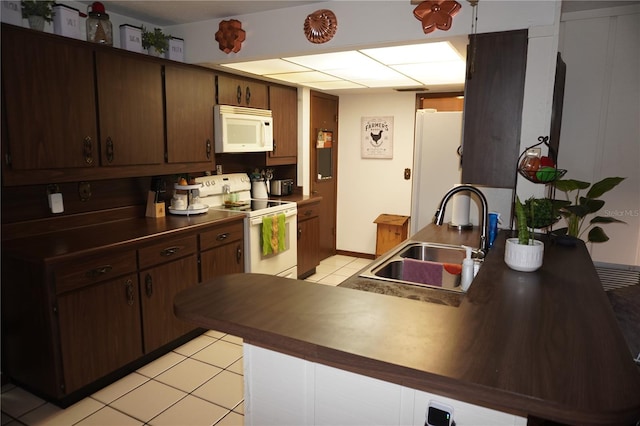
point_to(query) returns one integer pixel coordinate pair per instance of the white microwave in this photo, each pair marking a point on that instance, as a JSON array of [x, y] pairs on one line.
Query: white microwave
[[239, 129]]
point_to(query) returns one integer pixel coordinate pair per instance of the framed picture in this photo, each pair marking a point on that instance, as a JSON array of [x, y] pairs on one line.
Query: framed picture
[[377, 137]]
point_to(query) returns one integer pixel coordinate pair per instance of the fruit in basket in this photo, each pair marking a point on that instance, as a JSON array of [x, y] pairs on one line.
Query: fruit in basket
[[546, 174], [182, 182], [546, 161]]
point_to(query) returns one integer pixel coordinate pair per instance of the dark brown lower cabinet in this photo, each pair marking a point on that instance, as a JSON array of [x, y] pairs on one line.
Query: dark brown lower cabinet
[[222, 251], [99, 330], [158, 287], [308, 238]]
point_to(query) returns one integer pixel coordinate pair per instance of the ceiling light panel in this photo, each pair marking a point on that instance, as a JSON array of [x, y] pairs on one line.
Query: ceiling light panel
[[415, 53], [303, 77], [328, 61], [435, 73], [334, 85], [268, 66]]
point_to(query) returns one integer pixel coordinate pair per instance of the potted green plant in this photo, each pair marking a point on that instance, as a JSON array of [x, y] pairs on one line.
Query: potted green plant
[[37, 12], [575, 209], [156, 42], [524, 253]]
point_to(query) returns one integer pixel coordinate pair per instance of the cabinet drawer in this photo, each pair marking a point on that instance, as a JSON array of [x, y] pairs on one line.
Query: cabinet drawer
[[166, 251], [93, 270], [307, 211], [221, 235]]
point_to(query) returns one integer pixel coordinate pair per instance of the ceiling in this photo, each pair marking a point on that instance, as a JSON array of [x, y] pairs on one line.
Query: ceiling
[[301, 70]]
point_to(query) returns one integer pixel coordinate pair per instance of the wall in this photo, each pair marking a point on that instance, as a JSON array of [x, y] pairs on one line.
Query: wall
[[369, 187], [600, 134]]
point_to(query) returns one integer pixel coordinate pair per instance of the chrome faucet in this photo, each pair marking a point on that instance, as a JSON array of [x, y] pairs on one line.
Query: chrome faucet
[[439, 218]]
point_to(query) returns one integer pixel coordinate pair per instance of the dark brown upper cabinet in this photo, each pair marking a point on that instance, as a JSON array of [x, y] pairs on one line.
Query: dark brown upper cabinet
[[494, 93], [238, 91]]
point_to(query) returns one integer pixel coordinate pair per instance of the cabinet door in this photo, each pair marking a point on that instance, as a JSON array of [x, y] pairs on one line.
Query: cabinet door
[[159, 285], [222, 260], [308, 240], [493, 109], [283, 102], [49, 101], [99, 330], [131, 110], [190, 95], [241, 92]]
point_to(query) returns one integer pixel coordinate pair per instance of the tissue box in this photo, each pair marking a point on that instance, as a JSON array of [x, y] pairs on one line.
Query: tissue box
[[176, 49], [131, 38], [11, 12], [66, 21]]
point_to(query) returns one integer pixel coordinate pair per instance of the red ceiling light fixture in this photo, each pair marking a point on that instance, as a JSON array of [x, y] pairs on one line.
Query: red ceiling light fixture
[[230, 36], [436, 14]]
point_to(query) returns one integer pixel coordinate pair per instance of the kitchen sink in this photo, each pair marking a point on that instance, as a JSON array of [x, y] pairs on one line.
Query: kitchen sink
[[440, 265]]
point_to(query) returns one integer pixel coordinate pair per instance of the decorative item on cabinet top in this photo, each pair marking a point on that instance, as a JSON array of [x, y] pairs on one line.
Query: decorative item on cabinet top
[[320, 26], [230, 36], [37, 12], [156, 42], [99, 28]]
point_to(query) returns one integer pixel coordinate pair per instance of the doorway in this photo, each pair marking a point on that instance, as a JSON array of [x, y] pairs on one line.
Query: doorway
[[323, 135]]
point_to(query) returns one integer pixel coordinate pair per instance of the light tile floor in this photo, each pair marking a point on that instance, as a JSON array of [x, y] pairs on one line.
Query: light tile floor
[[198, 383]]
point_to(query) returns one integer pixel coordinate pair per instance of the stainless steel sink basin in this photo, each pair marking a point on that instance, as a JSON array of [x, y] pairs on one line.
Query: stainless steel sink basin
[[393, 267]]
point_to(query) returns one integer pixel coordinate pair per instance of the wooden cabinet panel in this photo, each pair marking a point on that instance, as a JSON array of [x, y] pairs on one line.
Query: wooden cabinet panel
[[131, 110], [226, 259], [93, 270], [158, 287], [494, 94], [49, 102], [241, 92], [99, 330], [166, 251], [283, 102], [221, 235], [308, 238], [190, 96]]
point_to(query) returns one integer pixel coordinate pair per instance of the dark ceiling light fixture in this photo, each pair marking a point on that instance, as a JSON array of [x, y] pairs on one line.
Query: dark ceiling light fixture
[[471, 48], [436, 14], [320, 26], [230, 36]]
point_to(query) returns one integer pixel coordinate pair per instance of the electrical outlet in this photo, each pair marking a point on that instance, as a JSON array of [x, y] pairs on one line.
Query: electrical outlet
[[407, 174], [84, 191], [218, 169]]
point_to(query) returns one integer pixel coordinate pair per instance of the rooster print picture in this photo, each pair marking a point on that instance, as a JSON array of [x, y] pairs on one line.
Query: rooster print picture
[[377, 137]]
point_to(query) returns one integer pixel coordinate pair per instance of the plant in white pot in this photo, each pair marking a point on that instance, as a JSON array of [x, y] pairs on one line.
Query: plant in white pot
[[37, 12], [525, 253], [156, 42]]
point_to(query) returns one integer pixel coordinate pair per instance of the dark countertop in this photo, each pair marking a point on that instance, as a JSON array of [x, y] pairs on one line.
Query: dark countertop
[[120, 234], [544, 343]]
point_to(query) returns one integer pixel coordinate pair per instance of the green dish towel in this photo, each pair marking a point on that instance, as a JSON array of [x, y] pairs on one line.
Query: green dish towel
[[273, 235]]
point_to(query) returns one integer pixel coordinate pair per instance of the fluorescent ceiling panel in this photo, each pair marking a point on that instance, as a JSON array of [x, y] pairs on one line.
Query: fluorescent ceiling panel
[[333, 85], [415, 53], [328, 61], [435, 73], [303, 77], [268, 66]]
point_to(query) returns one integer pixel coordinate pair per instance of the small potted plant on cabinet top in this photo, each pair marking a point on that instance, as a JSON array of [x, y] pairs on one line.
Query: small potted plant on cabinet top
[[156, 42], [37, 12]]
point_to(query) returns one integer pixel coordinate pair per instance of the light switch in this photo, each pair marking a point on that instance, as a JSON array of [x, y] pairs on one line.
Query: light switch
[[55, 203]]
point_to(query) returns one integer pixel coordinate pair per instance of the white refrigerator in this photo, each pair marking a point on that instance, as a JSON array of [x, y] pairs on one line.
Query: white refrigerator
[[436, 163]]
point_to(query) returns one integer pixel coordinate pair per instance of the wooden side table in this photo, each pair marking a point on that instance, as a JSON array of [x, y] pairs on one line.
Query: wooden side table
[[392, 230]]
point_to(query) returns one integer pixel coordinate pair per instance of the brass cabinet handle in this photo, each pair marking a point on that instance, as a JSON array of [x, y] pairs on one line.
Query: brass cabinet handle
[[239, 94], [247, 95], [308, 212], [109, 149], [99, 271], [222, 237], [299, 232], [88, 150], [129, 290], [238, 254], [148, 285], [208, 148], [170, 251]]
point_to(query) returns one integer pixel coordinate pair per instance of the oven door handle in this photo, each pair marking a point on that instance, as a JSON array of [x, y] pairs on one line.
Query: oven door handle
[[287, 214]]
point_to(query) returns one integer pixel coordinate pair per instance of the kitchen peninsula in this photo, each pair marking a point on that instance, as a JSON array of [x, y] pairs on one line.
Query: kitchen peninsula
[[541, 345]]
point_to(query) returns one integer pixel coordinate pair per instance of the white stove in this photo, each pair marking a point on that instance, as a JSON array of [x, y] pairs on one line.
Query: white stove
[[232, 192]]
